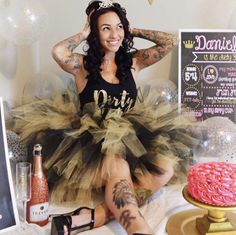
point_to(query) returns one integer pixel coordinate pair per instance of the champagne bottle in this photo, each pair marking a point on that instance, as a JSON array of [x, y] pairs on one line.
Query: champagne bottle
[[37, 207]]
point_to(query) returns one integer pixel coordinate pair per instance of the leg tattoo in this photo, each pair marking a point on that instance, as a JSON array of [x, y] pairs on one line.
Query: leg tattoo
[[125, 218], [142, 195], [123, 195]]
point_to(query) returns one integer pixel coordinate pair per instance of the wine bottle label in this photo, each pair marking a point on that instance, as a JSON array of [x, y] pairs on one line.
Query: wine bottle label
[[39, 212]]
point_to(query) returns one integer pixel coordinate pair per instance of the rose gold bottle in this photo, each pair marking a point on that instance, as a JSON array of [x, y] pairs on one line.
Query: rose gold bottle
[[37, 207]]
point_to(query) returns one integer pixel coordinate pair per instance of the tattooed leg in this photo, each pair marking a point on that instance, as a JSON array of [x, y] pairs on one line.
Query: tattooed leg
[[125, 218], [121, 201], [152, 183], [123, 194]]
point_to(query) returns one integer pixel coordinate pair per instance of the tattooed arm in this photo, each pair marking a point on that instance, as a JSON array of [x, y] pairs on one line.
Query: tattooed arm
[[165, 42], [63, 53]]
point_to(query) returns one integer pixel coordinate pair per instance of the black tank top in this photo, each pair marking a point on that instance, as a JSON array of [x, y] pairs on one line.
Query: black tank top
[[110, 96]]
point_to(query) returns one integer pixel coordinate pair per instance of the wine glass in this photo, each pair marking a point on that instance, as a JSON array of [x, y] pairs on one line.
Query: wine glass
[[23, 186]]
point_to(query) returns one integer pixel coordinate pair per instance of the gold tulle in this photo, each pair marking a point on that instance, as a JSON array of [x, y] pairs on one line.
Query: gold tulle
[[86, 154]]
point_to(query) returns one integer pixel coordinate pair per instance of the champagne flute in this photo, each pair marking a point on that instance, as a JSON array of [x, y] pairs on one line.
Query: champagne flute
[[23, 186]]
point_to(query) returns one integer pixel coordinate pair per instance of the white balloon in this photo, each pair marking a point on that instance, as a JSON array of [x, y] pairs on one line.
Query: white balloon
[[42, 86], [156, 91], [220, 123], [167, 90], [229, 155], [3, 42], [2, 3], [23, 21], [218, 143], [8, 60]]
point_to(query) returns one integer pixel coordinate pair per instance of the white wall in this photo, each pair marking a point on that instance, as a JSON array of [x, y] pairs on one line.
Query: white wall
[[19, 64]]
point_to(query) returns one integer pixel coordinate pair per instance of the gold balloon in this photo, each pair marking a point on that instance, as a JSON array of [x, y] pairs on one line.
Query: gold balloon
[[150, 2]]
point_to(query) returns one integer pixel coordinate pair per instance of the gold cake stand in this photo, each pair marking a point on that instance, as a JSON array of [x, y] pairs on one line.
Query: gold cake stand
[[217, 221]]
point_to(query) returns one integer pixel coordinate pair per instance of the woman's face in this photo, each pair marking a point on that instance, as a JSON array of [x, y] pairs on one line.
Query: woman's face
[[111, 31]]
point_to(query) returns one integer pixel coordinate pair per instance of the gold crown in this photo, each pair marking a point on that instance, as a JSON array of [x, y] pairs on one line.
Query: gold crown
[[188, 44]]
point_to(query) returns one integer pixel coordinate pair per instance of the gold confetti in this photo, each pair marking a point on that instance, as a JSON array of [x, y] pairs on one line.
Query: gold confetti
[[150, 2]]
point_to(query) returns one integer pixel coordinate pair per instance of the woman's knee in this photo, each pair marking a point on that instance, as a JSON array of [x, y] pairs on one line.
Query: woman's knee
[[121, 168], [151, 183]]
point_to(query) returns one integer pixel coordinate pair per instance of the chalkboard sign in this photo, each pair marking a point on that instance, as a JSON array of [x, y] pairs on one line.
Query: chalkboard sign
[[207, 73], [8, 210]]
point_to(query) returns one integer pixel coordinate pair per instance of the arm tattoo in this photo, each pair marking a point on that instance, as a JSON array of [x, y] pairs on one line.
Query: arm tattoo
[[125, 218], [72, 44], [122, 194], [64, 55], [159, 38], [73, 61], [145, 55], [164, 43]]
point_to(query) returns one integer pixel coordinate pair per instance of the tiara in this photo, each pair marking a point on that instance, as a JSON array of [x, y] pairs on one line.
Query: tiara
[[105, 4]]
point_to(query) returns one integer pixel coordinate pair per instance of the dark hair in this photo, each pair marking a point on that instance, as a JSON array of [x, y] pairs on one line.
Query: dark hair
[[93, 58]]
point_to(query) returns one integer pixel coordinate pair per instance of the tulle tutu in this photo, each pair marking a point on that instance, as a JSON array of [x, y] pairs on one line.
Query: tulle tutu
[[81, 147]]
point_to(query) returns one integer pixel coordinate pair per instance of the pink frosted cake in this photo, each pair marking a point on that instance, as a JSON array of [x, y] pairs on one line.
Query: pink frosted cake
[[213, 183]]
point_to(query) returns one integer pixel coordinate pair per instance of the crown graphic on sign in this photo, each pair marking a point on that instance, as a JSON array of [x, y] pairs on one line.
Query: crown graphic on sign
[[189, 44]]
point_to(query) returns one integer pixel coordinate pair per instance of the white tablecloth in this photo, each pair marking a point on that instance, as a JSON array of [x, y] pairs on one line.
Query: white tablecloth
[[157, 210]]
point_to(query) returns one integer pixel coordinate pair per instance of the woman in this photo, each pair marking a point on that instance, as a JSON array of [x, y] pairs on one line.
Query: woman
[[109, 70], [117, 145]]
